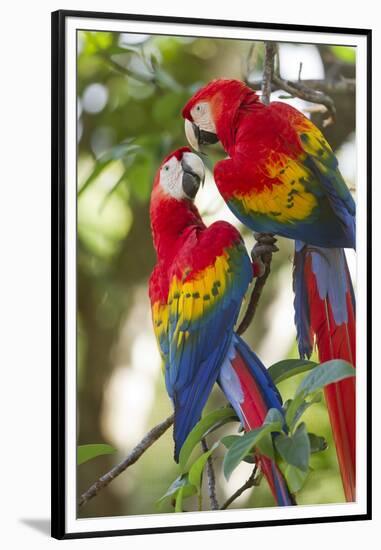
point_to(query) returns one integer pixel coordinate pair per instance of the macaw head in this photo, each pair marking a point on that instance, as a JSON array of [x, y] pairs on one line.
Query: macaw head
[[180, 175], [172, 208], [209, 114]]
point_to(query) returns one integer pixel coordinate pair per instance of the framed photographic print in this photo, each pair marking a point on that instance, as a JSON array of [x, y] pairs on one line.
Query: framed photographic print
[[211, 274]]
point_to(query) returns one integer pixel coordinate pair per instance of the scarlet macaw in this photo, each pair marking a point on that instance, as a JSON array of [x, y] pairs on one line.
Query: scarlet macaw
[[282, 177], [196, 289]]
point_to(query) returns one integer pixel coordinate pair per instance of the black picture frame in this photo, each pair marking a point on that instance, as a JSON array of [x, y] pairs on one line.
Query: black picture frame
[[58, 289]]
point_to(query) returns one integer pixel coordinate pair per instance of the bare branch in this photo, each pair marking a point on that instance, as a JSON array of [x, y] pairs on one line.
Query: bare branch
[[211, 477], [300, 71], [314, 91], [268, 71], [342, 86], [126, 72], [255, 295], [153, 435], [253, 481], [298, 89]]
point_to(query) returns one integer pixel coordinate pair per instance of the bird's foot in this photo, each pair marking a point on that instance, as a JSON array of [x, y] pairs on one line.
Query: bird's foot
[[262, 252]]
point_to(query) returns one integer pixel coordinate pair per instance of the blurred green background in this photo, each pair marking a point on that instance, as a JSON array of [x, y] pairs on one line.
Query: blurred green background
[[131, 89]]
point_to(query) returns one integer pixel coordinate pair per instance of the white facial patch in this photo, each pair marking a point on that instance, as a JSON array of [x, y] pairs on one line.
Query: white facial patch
[[202, 117], [171, 175]]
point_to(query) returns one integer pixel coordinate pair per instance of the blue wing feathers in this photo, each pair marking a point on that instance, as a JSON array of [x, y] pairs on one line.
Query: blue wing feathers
[[197, 348]]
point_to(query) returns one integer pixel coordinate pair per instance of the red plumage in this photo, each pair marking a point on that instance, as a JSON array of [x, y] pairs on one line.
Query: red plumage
[[254, 410], [196, 290], [281, 177], [337, 342]]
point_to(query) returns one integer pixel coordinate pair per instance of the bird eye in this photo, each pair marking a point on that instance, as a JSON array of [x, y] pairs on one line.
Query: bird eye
[[198, 108], [166, 168]]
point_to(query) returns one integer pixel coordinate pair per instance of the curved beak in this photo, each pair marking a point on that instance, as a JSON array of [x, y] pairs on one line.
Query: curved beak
[[197, 137], [192, 134], [193, 174]]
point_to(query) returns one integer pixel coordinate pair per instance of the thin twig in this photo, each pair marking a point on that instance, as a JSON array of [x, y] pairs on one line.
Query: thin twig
[[251, 482], [298, 89], [211, 477], [300, 71], [341, 86], [313, 91], [153, 435], [126, 72]]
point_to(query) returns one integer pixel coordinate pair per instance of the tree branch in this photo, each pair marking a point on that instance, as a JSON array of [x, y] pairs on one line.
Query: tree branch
[[268, 71], [251, 482], [313, 91], [126, 72], [298, 89], [341, 86], [153, 435], [211, 477], [255, 295]]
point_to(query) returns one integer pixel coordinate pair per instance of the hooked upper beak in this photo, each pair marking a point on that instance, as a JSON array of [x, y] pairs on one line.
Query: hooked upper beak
[[193, 174], [197, 137]]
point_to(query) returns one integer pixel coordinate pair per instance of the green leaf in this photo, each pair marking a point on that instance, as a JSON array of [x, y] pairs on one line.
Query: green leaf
[[293, 407], [302, 409], [266, 447], [245, 444], [197, 468], [317, 443], [174, 487], [345, 53], [111, 191], [87, 452], [118, 50], [295, 478], [289, 367], [118, 152], [182, 482], [295, 449], [274, 416], [179, 500], [206, 425], [98, 169], [323, 374], [228, 441], [166, 80]]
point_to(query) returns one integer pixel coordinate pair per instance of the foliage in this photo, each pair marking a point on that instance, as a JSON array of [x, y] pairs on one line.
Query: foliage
[[205, 426], [88, 452], [131, 89], [291, 445]]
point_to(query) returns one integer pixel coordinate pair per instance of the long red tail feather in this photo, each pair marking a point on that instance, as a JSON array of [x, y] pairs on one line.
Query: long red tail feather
[[257, 395], [335, 341]]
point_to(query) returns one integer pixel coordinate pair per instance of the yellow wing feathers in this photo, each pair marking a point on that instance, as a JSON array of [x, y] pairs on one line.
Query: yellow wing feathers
[[189, 300], [288, 198]]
